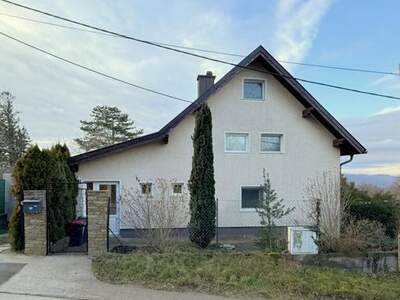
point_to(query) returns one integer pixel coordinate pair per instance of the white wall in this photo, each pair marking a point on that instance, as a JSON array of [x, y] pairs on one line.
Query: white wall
[[308, 151]]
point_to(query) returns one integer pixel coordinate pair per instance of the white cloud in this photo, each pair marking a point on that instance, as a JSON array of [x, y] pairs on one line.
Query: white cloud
[[380, 134], [388, 82], [389, 169], [297, 24], [388, 110]]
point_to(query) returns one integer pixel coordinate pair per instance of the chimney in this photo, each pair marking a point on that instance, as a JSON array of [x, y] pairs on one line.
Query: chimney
[[204, 82]]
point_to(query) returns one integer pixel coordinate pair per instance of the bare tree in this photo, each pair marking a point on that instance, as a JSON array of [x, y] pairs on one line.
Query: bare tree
[[156, 211], [327, 207]]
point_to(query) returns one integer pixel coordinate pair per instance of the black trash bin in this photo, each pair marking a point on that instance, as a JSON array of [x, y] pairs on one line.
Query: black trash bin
[[77, 232]]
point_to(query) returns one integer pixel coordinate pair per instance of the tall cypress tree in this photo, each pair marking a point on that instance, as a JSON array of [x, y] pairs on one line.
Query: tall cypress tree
[[201, 182]]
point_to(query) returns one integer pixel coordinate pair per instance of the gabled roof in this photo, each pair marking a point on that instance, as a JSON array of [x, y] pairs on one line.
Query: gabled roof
[[348, 144]]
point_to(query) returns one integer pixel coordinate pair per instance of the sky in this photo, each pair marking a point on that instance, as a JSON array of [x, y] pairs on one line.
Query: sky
[[53, 97]]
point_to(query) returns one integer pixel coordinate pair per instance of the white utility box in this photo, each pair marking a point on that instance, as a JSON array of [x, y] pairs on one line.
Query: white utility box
[[302, 241]]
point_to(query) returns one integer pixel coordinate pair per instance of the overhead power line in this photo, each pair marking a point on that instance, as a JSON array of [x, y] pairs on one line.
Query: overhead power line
[[218, 52], [94, 71], [202, 56]]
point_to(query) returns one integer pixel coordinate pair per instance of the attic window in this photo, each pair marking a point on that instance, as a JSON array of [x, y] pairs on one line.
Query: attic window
[[253, 89]]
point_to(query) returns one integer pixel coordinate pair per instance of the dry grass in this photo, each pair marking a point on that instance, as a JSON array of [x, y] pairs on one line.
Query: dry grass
[[258, 274]]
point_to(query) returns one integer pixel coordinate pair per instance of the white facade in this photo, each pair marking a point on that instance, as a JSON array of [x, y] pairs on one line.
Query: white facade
[[306, 151]]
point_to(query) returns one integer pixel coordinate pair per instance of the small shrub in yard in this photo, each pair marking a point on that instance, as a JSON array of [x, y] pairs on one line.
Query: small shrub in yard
[[363, 235], [382, 207], [327, 207], [157, 214], [270, 209]]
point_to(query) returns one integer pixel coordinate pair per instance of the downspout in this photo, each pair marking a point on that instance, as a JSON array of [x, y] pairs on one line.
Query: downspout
[[346, 162]]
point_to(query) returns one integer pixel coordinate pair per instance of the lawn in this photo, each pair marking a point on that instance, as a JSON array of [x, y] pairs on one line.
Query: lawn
[[235, 273]]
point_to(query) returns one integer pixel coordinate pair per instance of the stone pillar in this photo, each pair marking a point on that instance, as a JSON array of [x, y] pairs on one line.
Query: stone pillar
[[97, 204], [35, 225]]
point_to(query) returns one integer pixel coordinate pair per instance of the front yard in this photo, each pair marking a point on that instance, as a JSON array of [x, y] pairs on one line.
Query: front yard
[[244, 274]]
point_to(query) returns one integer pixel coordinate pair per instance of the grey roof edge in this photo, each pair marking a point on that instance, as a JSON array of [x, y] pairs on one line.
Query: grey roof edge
[[324, 116]]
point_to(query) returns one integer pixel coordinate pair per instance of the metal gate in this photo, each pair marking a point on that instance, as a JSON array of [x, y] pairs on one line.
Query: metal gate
[[74, 238]]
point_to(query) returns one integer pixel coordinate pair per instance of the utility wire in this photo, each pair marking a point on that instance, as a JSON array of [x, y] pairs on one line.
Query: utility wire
[[361, 70], [93, 70], [202, 56]]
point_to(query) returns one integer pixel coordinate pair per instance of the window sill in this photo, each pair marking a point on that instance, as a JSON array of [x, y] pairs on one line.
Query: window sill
[[272, 152], [248, 210], [236, 152], [253, 99]]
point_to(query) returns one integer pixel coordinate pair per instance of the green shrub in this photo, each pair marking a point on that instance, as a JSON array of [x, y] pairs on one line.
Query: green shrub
[[270, 209], [16, 232], [45, 170], [381, 207], [363, 235]]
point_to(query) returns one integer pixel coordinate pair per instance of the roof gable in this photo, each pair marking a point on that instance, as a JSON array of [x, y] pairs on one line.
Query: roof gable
[[349, 145]]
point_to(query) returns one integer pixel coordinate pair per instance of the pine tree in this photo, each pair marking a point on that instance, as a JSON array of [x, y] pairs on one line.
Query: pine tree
[[270, 209], [201, 182], [14, 138], [107, 126]]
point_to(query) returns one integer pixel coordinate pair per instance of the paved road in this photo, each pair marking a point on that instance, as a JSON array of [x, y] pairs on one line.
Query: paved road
[[70, 277]]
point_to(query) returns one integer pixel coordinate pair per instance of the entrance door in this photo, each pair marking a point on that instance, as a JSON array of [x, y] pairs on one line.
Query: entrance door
[[114, 221]]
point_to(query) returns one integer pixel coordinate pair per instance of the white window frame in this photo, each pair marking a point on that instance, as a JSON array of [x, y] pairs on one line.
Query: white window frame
[[152, 188], [272, 133], [240, 197], [237, 132], [172, 188], [264, 89]]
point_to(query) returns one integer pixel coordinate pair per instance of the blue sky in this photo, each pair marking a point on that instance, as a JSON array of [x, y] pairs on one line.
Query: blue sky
[[53, 97]]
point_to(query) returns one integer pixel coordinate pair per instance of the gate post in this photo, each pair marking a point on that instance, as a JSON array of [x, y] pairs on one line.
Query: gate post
[[35, 225], [97, 214]]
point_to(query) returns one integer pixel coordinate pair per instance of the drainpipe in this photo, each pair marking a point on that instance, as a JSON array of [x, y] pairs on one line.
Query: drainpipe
[[346, 162]]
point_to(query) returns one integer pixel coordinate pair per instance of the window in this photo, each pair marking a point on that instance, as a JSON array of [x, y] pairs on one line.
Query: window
[[177, 188], [271, 142], [236, 142], [146, 188], [250, 197], [89, 186], [253, 89], [113, 199]]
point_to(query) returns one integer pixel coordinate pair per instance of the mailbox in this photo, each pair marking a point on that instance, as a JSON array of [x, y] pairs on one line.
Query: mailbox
[[32, 206]]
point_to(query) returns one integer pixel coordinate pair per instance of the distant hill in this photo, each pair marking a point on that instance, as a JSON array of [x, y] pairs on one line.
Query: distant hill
[[382, 181]]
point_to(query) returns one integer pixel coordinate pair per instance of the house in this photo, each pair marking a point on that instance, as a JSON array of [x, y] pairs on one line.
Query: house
[[260, 120]]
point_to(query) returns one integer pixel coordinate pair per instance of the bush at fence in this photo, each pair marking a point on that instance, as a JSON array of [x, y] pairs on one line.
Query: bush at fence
[[381, 207], [44, 170]]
